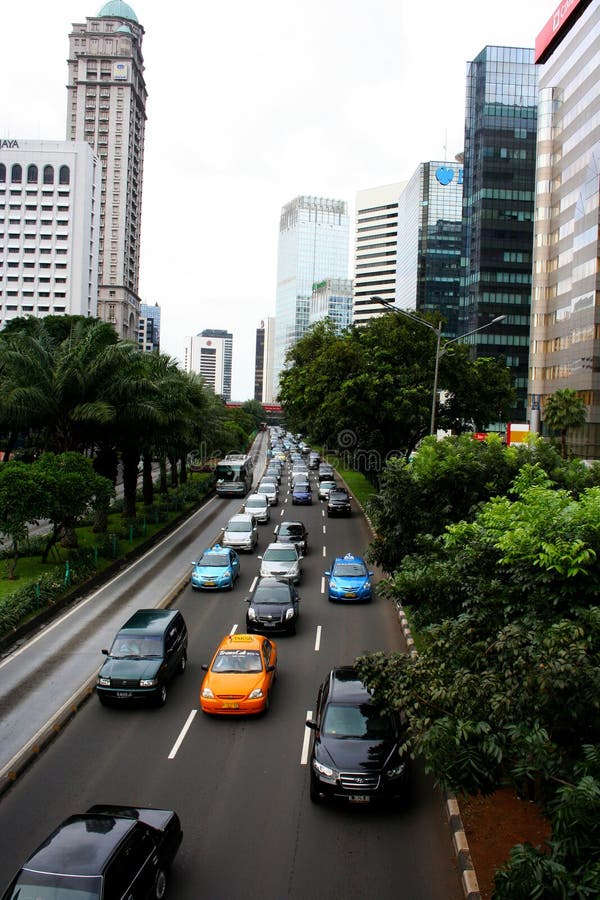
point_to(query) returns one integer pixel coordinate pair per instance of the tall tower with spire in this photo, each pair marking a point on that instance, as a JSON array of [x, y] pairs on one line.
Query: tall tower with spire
[[107, 108]]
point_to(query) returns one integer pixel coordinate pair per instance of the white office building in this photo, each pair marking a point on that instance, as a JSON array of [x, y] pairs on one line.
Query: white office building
[[375, 248], [210, 354], [49, 218]]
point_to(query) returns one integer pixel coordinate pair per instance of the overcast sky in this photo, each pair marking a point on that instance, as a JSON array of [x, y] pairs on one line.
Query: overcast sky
[[252, 104]]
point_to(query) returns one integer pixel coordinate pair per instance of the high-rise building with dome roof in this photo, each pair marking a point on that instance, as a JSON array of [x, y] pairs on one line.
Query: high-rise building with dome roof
[[107, 108]]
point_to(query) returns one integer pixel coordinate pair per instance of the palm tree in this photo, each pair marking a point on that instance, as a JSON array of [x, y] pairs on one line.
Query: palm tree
[[563, 410]]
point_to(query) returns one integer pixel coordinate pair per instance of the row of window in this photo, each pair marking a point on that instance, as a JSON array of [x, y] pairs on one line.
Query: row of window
[[16, 174]]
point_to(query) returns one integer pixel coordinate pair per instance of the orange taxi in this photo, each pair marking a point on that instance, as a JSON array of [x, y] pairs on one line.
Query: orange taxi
[[240, 677]]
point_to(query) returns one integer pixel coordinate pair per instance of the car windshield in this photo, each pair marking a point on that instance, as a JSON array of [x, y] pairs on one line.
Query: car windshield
[[302, 486], [293, 531], [46, 886], [353, 569], [131, 646], [328, 485], [364, 721], [338, 495], [256, 502], [216, 560], [266, 488], [228, 472], [277, 593], [237, 661], [276, 555], [239, 526]]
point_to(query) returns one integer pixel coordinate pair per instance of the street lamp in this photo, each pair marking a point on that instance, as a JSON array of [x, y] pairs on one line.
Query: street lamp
[[439, 350]]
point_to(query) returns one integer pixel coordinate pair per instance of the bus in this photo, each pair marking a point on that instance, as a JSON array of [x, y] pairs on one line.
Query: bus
[[234, 475]]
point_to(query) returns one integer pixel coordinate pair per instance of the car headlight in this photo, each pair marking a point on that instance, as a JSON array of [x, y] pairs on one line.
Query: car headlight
[[148, 682], [207, 694], [397, 771], [323, 770], [256, 694], [289, 613], [251, 614], [333, 584], [105, 682]]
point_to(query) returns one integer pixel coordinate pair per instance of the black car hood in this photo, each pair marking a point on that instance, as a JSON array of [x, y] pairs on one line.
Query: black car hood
[[276, 610], [130, 669], [351, 755]]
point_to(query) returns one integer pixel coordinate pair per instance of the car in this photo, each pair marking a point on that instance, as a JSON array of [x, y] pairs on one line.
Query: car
[[258, 505], [273, 605], [274, 472], [216, 569], [325, 487], [106, 852], [148, 650], [349, 579], [301, 494], [270, 490], [240, 677], [326, 472], [241, 532], [357, 751], [292, 533], [282, 561], [313, 459], [338, 502]]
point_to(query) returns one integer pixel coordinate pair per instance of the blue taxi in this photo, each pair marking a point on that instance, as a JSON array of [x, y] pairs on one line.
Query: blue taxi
[[216, 569], [349, 579]]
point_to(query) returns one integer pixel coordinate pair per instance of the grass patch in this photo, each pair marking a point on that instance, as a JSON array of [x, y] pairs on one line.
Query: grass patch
[[29, 570]]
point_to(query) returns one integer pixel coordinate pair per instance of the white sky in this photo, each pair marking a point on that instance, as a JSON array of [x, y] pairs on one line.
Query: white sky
[[250, 105]]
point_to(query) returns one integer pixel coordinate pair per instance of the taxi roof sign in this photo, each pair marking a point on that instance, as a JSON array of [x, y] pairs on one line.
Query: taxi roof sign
[[241, 638]]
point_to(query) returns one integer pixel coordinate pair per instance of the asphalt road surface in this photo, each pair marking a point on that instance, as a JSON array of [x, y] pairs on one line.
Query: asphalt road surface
[[240, 786]]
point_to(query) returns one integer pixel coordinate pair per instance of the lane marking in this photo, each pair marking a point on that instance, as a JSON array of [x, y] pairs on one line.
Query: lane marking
[[306, 741], [324, 550], [323, 584], [182, 734], [324, 529], [282, 512], [253, 585], [323, 513], [318, 639], [233, 630]]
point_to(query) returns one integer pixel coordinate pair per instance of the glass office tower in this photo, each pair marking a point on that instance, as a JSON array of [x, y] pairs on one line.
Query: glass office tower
[[565, 328], [313, 245], [430, 241], [498, 207]]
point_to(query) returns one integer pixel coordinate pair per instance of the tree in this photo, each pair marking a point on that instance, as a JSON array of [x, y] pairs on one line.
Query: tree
[[20, 504], [562, 411]]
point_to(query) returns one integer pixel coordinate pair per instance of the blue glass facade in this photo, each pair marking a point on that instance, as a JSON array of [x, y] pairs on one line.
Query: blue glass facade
[[314, 238], [498, 207]]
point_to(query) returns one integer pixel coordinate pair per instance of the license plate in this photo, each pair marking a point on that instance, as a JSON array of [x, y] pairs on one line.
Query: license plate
[[359, 798], [228, 704], [123, 695], [349, 594], [210, 583]]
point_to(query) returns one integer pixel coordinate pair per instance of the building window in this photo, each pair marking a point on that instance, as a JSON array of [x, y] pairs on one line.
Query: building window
[[48, 175], [32, 174], [16, 174], [64, 176], [2, 173]]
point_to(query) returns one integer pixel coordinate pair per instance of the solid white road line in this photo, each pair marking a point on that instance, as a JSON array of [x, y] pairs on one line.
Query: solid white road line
[[306, 741], [182, 734], [318, 639]]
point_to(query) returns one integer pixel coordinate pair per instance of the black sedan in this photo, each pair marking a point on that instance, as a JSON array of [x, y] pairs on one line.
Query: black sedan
[[292, 532], [108, 852], [338, 503], [273, 605], [356, 752]]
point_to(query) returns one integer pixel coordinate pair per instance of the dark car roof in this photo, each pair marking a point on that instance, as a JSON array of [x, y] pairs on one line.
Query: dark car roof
[[346, 686], [150, 621], [81, 845]]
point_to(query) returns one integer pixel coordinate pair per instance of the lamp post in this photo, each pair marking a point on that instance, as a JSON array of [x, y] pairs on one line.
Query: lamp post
[[439, 349]]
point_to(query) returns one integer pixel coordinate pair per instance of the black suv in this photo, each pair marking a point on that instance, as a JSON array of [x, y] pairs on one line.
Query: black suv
[[357, 749], [147, 652], [292, 533], [273, 605], [338, 503], [107, 853]]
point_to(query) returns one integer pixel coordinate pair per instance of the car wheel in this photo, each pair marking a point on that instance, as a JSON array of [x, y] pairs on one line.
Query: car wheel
[[103, 700], [182, 663], [314, 793], [162, 695], [160, 885], [267, 704]]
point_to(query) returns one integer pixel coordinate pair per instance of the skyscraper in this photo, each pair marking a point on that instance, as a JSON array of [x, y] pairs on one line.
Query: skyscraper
[[210, 355], [498, 207], [375, 248], [313, 245], [565, 335], [149, 328], [332, 299], [259, 362], [430, 242], [106, 107]]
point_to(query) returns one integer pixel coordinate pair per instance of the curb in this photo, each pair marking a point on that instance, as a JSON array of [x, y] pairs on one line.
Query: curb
[[470, 884]]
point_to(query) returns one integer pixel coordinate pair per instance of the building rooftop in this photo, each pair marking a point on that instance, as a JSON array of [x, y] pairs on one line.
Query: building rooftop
[[117, 9]]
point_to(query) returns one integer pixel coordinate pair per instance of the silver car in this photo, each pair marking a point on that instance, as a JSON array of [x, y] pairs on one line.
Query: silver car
[[282, 561], [271, 491], [258, 505], [241, 532]]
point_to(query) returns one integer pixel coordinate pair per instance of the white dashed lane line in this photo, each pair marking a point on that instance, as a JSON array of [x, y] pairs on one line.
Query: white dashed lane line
[[306, 741], [318, 639], [182, 734]]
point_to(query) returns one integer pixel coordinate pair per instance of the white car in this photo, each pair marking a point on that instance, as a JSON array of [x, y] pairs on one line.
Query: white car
[[241, 532], [282, 561], [258, 505], [270, 490], [325, 487]]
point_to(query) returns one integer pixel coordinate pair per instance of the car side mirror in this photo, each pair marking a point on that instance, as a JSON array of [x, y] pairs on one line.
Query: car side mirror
[[259, 557], [104, 652], [310, 723], [270, 668], [204, 666], [248, 600], [327, 573], [371, 574]]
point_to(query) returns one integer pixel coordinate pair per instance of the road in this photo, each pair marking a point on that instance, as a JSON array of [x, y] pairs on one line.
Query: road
[[240, 786]]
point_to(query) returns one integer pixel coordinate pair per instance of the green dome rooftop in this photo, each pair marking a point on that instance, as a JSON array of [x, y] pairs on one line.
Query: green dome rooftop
[[117, 9]]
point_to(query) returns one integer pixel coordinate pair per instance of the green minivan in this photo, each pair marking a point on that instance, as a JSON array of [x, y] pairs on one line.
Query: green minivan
[[146, 653]]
